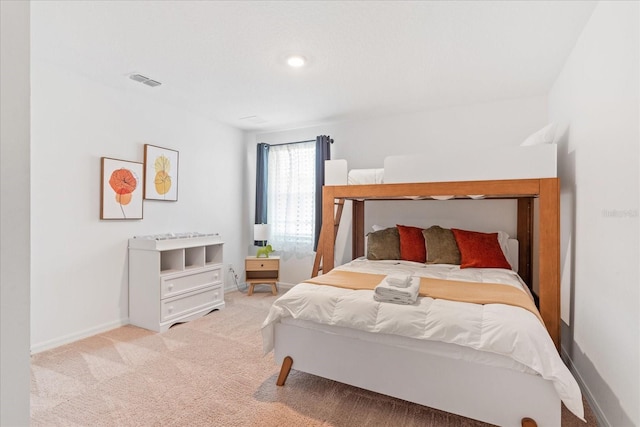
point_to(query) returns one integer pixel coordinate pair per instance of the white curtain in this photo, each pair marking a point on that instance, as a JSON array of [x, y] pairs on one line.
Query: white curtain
[[291, 200]]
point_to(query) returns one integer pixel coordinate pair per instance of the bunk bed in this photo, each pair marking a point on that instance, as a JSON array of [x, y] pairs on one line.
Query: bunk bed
[[439, 374]]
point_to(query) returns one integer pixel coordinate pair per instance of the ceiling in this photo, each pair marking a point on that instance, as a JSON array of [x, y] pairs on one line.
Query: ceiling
[[225, 60]]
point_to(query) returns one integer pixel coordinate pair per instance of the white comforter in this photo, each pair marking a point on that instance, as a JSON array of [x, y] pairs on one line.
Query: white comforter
[[494, 328]]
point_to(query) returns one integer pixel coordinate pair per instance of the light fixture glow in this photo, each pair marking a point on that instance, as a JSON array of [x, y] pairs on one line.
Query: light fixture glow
[[296, 61]]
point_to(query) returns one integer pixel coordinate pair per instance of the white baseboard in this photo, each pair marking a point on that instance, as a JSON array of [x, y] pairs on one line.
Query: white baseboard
[[595, 408], [57, 342], [286, 286], [243, 287], [230, 287]]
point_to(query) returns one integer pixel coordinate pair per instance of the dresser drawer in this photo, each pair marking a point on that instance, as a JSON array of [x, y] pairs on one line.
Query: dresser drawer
[[182, 305], [179, 284], [262, 264]]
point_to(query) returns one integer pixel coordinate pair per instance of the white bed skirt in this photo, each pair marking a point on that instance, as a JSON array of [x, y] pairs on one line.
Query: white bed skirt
[[487, 393]]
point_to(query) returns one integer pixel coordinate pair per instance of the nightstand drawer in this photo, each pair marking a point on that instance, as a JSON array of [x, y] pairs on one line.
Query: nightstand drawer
[[175, 285], [265, 264]]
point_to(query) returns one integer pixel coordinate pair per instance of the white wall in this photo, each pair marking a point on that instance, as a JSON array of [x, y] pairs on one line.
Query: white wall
[[595, 99], [365, 144], [79, 263], [14, 214]]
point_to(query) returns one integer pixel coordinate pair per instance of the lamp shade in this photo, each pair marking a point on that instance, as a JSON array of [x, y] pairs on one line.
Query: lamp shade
[[261, 232]]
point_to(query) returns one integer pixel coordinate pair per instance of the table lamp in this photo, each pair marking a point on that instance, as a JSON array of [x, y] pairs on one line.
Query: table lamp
[[260, 236]]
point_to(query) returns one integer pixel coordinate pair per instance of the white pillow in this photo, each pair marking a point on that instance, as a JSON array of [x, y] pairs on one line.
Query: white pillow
[[503, 239], [546, 135]]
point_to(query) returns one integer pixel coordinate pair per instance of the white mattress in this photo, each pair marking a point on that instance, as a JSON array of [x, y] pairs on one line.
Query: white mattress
[[365, 176], [484, 331]]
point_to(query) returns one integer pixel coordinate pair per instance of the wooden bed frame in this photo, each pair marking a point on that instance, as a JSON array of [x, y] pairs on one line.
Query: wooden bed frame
[[546, 190], [455, 386]]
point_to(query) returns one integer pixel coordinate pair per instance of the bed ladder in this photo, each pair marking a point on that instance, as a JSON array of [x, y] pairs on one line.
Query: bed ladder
[[317, 266]]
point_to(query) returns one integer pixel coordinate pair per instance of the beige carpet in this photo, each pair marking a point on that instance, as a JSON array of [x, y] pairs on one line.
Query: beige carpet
[[209, 372]]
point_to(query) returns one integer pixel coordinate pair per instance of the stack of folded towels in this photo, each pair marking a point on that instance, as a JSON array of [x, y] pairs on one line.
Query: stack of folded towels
[[398, 288]]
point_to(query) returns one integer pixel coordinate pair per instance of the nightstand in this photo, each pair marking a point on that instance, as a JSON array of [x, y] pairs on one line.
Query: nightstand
[[262, 271]]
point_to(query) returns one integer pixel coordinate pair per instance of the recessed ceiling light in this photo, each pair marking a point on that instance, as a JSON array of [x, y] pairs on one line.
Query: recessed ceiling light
[[296, 61]]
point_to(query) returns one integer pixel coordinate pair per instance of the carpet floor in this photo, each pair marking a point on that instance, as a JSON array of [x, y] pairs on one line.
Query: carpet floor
[[208, 372]]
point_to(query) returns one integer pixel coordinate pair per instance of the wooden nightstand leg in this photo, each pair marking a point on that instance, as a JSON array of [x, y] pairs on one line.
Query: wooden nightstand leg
[[250, 292], [274, 288]]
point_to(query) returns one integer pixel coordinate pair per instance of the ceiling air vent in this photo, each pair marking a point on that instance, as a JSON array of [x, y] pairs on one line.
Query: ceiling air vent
[[144, 80]]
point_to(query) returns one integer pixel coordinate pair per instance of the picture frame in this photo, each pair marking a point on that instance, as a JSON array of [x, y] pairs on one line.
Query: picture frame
[[160, 173], [121, 189]]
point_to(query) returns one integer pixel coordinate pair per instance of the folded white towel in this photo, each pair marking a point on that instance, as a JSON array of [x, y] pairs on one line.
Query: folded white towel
[[385, 292], [398, 280]]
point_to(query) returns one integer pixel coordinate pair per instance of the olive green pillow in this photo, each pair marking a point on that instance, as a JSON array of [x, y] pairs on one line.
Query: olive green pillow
[[383, 244], [441, 246]]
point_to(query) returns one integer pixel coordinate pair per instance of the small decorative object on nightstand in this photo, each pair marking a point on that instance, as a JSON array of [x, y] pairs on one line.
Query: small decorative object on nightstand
[[262, 271], [265, 250]]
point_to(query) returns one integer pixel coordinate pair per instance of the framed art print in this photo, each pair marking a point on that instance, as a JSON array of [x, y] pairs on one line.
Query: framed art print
[[160, 173], [120, 189]]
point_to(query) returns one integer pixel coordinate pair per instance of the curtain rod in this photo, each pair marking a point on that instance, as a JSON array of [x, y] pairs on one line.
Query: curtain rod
[[290, 143], [295, 142]]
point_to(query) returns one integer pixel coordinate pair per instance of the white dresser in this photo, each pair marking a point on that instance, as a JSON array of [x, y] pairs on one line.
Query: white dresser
[[174, 280]]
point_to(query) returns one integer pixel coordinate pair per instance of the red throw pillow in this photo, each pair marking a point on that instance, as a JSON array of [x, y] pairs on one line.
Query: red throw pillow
[[412, 247], [479, 250]]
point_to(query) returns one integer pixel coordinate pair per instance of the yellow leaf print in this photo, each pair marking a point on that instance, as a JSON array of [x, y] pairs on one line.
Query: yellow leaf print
[[162, 164]]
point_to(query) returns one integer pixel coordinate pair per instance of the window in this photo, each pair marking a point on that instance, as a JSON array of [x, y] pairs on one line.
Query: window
[[291, 183], [289, 180]]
